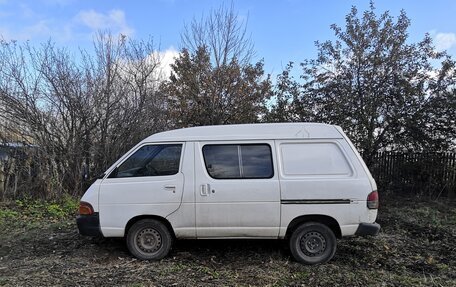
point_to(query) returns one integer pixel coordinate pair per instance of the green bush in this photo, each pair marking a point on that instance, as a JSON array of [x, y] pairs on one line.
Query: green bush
[[8, 214], [70, 204], [67, 206], [55, 210]]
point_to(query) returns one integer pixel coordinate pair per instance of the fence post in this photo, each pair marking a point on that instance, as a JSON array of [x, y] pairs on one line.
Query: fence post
[[2, 179], [452, 178]]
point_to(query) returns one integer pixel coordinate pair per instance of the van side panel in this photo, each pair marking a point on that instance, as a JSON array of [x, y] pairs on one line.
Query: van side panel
[[358, 158], [235, 208], [322, 177], [348, 216], [183, 219], [354, 156]]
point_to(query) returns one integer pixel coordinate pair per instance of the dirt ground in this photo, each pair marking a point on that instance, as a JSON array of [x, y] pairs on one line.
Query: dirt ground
[[416, 247]]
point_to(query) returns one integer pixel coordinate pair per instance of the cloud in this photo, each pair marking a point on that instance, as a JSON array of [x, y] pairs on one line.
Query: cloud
[[38, 29], [114, 21], [445, 41], [26, 24], [161, 72], [167, 58], [23, 21]]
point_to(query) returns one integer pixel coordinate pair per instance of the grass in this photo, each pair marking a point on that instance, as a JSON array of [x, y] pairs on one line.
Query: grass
[[32, 211], [41, 246]]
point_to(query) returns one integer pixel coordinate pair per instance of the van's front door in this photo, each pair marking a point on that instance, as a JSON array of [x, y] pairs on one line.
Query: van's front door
[[148, 182], [236, 189]]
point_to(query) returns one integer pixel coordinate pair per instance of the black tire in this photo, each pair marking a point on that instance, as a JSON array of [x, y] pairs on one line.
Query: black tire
[[149, 239], [313, 243]]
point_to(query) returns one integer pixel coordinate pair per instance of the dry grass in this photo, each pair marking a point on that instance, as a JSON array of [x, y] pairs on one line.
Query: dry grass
[[417, 247]]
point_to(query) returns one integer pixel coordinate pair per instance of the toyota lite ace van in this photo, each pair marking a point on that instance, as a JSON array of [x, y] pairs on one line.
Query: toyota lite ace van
[[303, 182]]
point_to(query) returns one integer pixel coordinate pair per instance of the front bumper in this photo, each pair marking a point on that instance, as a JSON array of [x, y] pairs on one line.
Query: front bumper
[[368, 229], [89, 225]]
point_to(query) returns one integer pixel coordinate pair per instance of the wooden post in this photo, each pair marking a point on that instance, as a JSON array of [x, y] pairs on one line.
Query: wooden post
[[452, 178], [2, 179]]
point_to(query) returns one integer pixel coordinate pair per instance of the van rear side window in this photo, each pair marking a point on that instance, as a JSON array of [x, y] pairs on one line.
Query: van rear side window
[[151, 160], [309, 159], [238, 161]]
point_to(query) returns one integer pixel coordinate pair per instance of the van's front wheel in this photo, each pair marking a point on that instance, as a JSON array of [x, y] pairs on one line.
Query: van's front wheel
[[149, 239], [313, 243]]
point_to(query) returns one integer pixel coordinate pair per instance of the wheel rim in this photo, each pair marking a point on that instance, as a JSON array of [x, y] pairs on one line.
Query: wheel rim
[[313, 244], [148, 240]]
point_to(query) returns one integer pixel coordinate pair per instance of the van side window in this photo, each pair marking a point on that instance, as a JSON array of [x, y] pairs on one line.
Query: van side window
[[151, 160], [230, 161], [313, 159]]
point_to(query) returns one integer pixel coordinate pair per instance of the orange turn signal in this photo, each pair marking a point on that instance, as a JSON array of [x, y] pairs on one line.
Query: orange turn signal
[[85, 208]]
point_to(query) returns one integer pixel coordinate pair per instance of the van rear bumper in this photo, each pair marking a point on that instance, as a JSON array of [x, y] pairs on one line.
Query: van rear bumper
[[368, 229], [89, 225]]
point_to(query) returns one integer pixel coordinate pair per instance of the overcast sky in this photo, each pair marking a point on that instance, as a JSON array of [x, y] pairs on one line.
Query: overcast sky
[[282, 31]]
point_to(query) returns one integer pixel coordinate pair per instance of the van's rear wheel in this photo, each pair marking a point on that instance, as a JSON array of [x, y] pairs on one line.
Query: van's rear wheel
[[313, 243], [149, 239]]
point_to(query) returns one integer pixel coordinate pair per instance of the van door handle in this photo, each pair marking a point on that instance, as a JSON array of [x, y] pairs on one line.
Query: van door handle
[[171, 187], [204, 189]]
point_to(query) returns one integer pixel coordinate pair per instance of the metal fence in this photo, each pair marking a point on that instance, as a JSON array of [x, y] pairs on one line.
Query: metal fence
[[429, 174]]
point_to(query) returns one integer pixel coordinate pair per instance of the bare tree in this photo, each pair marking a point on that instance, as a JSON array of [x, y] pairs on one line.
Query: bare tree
[[72, 116], [213, 80], [223, 34]]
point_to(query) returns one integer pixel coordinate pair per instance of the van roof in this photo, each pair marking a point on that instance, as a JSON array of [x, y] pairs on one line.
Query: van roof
[[250, 132]]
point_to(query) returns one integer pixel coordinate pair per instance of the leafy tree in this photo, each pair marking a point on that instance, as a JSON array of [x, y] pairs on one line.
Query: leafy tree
[[284, 92], [213, 80], [385, 92], [201, 94]]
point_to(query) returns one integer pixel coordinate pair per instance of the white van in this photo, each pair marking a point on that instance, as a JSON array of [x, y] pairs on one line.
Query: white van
[[303, 182]]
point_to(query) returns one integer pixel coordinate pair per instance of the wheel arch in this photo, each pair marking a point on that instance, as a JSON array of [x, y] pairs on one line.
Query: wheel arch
[[137, 218], [320, 218]]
